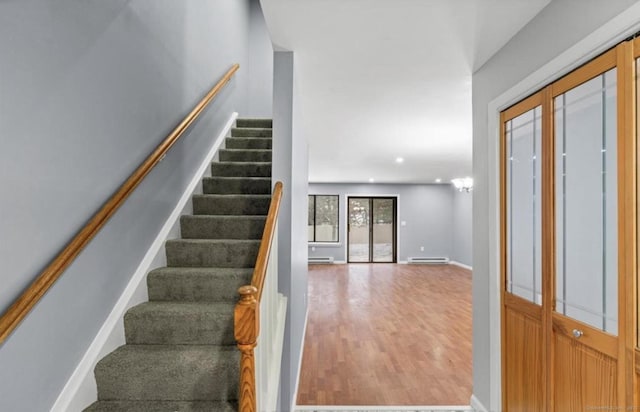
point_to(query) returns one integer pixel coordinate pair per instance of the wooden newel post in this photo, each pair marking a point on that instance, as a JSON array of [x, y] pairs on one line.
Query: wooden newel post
[[246, 334]]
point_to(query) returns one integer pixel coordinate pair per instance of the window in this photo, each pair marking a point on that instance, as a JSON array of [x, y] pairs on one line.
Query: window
[[323, 218]]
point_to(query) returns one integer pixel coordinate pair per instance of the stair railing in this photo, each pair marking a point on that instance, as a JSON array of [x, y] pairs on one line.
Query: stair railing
[[255, 315], [21, 307]]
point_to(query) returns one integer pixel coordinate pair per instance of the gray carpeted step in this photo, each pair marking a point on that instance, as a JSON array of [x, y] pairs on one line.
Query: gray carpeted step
[[197, 284], [241, 169], [222, 227], [163, 406], [267, 123], [226, 253], [244, 155], [237, 185], [251, 132], [248, 143], [169, 372], [231, 204], [180, 323]]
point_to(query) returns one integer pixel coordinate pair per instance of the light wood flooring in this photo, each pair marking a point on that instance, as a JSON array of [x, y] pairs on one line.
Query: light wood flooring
[[386, 334]]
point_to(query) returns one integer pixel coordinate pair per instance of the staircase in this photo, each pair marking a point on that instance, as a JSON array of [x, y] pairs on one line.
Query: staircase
[[180, 352]]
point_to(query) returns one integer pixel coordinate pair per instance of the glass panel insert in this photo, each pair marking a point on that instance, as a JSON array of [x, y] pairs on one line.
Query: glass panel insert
[[326, 218], [524, 211], [359, 244], [586, 203], [383, 216]]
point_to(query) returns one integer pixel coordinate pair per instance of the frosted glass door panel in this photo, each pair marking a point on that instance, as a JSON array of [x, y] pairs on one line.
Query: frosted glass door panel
[[586, 203], [524, 213]]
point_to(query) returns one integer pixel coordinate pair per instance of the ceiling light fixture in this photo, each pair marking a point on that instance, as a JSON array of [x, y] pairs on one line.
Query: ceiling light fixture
[[371, 180], [438, 180], [464, 184], [399, 160]]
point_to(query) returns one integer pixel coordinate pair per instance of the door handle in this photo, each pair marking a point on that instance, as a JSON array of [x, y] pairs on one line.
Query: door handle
[[577, 333]]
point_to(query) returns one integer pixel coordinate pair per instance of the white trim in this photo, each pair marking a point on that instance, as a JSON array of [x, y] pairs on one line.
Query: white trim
[[476, 405], [412, 408], [605, 37], [304, 334], [462, 265], [80, 390], [403, 262], [339, 262], [274, 374]]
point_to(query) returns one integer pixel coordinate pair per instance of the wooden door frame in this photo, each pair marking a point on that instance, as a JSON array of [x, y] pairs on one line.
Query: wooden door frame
[[609, 34], [395, 225], [623, 347]]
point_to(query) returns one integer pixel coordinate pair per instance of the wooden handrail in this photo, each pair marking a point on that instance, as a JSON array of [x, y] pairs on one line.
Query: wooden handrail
[[23, 305], [247, 311]]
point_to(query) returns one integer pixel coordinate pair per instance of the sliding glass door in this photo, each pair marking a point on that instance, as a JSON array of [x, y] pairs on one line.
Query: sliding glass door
[[372, 229]]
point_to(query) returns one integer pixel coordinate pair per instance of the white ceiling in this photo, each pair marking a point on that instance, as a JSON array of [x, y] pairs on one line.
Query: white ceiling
[[381, 79]]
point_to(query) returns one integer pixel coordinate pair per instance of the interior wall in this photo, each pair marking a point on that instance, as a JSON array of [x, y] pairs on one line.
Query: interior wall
[[462, 227], [555, 29], [427, 211], [88, 90], [260, 70], [291, 166]]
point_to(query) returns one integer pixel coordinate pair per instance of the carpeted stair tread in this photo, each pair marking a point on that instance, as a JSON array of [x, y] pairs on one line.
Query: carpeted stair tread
[[163, 406], [210, 204], [244, 155], [169, 372], [241, 169], [251, 132], [248, 143], [222, 227], [197, 284], [180, 323], [212, 253], [253, 122], [237, 185]]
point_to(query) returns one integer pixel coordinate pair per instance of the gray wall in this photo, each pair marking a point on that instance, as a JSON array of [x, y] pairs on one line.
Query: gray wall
[[426, 209], [291, 166], [462, 227], [260, 68], [88, 90], [559, 26]]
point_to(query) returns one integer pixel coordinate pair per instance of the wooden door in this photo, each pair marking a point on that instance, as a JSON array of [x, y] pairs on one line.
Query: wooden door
[[568, 203]]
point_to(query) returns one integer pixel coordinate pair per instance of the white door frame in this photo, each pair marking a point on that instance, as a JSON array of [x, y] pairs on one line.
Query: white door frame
[[611, 33]]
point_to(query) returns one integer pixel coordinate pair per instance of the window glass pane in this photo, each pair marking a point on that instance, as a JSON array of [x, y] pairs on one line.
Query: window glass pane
[[326, 218], [383, 216], [311, 221], [524, 243], [359, 244], [586, 203]]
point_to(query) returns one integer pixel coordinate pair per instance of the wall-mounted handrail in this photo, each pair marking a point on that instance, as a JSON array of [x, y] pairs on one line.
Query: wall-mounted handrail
[[23, 305], [247, 313]]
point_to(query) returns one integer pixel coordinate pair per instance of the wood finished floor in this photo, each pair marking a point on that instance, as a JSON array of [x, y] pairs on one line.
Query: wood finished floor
[[385, 334]]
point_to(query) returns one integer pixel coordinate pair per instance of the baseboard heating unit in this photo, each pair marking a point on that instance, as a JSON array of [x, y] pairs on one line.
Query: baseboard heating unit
[[321, 259], [428, 260]]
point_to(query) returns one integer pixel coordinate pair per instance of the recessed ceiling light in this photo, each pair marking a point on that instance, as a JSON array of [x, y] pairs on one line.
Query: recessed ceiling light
[[371, 180], [399, 160], [438, 180]]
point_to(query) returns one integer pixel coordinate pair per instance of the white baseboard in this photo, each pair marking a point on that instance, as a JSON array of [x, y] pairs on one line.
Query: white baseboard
[[376, 408], [274, 374], [462, 265], [403, 262], [476, 405], [304, 334], [339, 262], [80, 390]]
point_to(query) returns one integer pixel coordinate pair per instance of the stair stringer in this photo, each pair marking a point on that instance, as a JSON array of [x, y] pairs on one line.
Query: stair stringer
[[81, 390]]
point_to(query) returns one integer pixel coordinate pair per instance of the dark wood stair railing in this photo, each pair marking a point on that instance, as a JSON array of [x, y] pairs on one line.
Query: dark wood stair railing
[[23, 305], [247, 311]]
